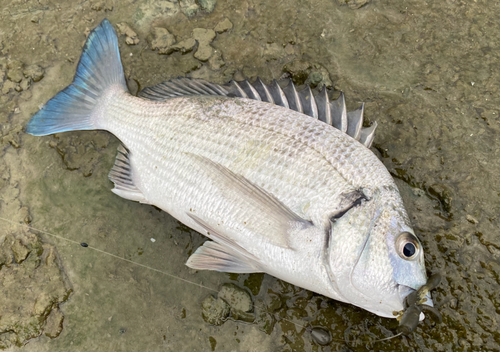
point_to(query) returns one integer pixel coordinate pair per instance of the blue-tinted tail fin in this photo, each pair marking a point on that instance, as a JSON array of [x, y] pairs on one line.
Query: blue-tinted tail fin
[[99, 68]]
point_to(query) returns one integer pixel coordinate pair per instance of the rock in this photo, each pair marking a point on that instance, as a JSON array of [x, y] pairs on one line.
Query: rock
[[34, 72], [25, 84], [204, 52], [15, 71], [215, 311], [203, 35], [131, 36], [162, 40], [207, 5], [8, 86], [189, 7], [20, 251], [223, 26], [471, 219], [298, 70], [54, 324], [418, 192], [184, 46], [319, 76], [236, 297]]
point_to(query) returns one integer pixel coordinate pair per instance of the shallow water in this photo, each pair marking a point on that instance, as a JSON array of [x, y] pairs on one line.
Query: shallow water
[[428, 73]]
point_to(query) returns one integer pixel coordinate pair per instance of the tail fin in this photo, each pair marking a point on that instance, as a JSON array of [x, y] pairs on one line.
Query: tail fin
[[98, 69]]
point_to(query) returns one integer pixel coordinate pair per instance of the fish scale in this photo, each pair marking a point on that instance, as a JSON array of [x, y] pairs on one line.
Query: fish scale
[[282, 181], [184, 132]]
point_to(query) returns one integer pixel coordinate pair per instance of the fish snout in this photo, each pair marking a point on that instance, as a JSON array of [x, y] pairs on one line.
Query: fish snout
[[418, 303]]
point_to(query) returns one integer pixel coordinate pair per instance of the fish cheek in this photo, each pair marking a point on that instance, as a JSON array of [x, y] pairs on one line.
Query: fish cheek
[[372, 275]]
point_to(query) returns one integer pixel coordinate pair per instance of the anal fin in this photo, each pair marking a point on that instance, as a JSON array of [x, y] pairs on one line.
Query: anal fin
[[121, 176], [222, 254]]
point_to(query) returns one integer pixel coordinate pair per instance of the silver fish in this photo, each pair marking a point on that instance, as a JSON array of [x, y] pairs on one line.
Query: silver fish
[[281, 181]]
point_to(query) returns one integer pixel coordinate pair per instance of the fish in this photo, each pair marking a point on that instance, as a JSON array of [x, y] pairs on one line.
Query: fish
[[281, 181]]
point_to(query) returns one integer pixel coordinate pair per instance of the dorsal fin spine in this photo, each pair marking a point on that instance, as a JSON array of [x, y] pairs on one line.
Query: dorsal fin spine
[[317, 106]]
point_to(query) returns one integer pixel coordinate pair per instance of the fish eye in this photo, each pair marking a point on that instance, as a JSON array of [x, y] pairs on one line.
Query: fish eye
[[407, 246]]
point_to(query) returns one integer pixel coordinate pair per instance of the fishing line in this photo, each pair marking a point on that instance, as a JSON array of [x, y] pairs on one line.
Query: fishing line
[[142, 265], [255, 305]]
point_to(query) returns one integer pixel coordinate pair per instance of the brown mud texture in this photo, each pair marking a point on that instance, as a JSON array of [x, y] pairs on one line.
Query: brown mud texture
[[429, 73]]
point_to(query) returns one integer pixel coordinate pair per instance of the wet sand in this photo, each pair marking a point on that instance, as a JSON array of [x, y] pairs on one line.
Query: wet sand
[[429, 75]]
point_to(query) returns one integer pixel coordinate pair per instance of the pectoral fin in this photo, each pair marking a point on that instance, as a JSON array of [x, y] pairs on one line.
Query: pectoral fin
[[254, 208], [222, 254]]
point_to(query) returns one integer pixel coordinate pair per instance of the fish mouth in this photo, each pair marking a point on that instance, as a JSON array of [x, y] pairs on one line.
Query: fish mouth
[[417, 303]]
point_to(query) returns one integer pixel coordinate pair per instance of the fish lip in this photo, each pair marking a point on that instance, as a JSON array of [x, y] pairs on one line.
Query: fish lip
[[404, 291]]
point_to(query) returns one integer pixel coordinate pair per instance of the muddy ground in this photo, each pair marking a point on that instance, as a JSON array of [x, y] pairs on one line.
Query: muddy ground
[[428, 72]]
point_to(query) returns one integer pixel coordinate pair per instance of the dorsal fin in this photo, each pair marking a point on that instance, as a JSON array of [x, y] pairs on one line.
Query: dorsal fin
[[317, 106]]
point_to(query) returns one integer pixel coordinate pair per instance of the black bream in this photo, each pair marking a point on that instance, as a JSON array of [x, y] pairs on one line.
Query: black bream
[[274, 189]]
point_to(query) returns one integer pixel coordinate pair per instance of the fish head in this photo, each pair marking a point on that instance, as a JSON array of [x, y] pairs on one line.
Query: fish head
[[375, 258]]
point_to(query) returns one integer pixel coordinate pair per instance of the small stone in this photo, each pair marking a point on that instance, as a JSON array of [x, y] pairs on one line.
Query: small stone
[[34, 72], [8, 86], [298, 70], [471, 219], [203, 35], [162, 40], [418, 192], [215, 311], [189, 7], [204, 52], [321, 336], [15, 71], [184, 46], [54, 324], [35, 19], [131, 36], [207, 5], [25, 84], [236, 297], [223, 26], [20, 251]]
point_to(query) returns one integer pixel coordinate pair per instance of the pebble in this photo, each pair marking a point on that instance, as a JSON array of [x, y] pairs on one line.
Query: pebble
[[223, 26], [207, 5], [15, 71], [203, 35], [321, 336], [471, 219], [184, 46], [236, 297], [131, 36], [215, 311], [34, 72], [162, 41]]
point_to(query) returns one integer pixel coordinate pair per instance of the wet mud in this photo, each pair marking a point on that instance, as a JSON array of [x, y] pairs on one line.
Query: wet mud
[[428, 73]]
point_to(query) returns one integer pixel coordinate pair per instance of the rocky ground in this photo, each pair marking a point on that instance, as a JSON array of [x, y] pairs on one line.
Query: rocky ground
[[428, 72]]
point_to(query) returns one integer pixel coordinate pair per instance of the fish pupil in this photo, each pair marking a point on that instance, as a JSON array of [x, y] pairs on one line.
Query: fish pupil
[[409, 250]]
